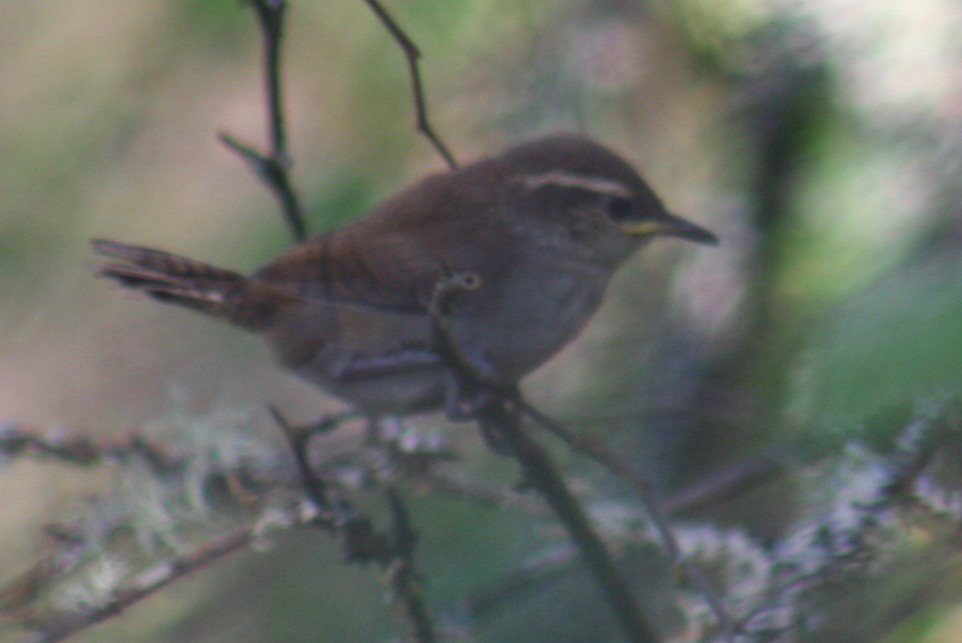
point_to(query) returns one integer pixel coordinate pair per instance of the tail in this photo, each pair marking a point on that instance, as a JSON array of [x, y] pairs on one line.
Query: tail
[[173, 279]]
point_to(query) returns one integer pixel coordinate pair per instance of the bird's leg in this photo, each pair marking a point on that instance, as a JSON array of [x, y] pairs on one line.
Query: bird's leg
[[463, 403], [467, 392]]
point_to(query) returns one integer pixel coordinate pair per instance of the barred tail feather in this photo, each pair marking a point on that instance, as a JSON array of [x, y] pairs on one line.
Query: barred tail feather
[[174, 279]]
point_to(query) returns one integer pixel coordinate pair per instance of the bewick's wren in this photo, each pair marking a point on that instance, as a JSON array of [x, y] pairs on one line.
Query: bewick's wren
[[543, 227]]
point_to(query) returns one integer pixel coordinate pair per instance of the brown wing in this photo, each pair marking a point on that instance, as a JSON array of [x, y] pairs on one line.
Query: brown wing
[[393, 257]]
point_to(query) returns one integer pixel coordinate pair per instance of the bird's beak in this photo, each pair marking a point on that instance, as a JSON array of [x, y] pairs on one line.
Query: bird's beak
[[672, 226]]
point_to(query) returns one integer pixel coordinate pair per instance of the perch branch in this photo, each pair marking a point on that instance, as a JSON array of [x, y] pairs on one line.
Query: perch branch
[[496, 412], [598, 452]]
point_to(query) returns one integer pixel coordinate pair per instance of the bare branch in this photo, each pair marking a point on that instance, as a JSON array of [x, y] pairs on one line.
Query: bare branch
[[273, 168], [411, 55], [271, 16]]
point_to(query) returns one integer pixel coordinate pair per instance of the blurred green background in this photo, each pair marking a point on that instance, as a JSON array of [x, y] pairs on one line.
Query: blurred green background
[[821, 140]]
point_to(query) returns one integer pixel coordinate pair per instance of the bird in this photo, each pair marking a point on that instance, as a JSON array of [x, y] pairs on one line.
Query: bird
[[540, 229]]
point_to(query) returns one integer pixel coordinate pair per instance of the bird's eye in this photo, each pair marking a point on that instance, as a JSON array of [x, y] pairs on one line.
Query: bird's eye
[[619, 208]]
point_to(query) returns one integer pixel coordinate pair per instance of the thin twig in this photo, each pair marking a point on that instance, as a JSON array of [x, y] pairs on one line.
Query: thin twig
[[509, 589], [271, 16], [475, 490], [273, 168], [500, 417], [726, 482], [411, 55]]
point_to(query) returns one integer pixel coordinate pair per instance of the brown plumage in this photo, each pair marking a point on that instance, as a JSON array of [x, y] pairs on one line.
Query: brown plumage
[[543, 226]]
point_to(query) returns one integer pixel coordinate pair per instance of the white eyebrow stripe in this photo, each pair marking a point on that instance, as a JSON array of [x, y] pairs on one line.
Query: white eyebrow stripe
[[566, 180]]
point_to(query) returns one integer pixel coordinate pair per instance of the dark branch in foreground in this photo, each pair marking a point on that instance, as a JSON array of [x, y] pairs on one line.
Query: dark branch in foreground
[[542, 474], [411, 55], [500, 419], [598, 452], [273, 168]]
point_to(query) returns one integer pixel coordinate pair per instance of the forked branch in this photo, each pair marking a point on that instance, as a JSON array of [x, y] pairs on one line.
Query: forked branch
[[274, 167]]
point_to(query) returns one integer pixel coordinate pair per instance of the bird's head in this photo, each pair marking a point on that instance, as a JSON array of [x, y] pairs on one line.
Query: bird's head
[[582, 195]]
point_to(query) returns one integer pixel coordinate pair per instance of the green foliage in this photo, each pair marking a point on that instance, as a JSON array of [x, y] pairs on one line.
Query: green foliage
[[853, 211], [895, 345], [217, 23]]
